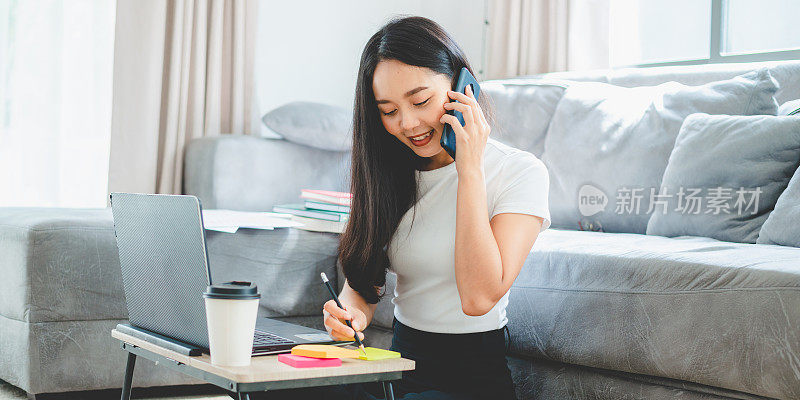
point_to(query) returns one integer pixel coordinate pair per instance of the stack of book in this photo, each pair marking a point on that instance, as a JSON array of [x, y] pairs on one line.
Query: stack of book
[[321, 211]]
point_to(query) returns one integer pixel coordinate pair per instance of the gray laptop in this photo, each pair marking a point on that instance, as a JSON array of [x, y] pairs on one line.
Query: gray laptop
[[165, 270]]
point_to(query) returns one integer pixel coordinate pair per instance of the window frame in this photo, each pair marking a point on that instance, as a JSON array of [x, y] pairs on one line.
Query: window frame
[[715, 49]]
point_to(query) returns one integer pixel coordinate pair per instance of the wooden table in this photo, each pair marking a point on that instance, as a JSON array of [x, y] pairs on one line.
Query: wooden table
[[264, 372]]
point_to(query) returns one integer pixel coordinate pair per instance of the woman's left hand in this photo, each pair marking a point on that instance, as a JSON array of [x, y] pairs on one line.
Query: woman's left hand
[[470, 138]]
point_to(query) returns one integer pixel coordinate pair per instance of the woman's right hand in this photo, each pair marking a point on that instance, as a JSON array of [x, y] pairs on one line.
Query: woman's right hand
[[335, 317]]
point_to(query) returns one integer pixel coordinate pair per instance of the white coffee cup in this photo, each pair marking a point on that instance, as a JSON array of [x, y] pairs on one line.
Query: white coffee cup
[[231, 311]]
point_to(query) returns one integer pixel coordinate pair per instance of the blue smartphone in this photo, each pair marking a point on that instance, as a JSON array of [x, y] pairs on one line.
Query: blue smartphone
[[448, 140]]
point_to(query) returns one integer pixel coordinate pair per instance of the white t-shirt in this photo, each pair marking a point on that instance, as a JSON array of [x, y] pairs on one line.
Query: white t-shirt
[[423, 254]]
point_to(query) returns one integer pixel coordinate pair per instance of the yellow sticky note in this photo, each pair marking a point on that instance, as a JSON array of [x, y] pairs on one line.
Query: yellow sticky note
[[374, 354], [323, 351]]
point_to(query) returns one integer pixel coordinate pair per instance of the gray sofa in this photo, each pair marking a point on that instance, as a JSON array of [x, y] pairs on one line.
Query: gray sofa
[[593, 315]]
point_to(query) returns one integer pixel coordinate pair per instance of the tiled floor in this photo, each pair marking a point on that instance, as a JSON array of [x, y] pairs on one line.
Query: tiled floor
[[8, 392]]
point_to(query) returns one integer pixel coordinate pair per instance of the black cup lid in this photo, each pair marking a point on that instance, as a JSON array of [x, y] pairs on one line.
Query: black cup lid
[[236, 290]]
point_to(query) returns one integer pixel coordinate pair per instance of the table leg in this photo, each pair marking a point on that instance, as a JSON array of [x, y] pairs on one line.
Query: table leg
[[388, 393], [126, 385], [244, 396]]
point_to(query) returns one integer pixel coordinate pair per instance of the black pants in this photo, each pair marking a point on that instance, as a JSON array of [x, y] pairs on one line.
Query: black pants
[[448, 366]]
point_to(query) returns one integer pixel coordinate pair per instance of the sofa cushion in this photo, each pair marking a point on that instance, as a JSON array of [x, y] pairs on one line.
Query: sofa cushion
[[62, 265], [785, 72], [285, 263], [523, 109], [736, 165], [238, 172], [619, 139], [783, 224], [688, 308], [318, 125]]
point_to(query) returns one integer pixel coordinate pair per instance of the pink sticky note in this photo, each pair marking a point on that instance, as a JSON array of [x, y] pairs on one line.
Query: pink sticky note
[[308, 362]]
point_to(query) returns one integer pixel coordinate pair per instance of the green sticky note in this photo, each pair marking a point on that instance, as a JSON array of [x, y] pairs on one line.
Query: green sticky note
[[374, 354]]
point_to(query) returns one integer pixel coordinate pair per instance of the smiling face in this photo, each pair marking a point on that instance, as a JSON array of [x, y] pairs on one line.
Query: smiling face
[[410, 103]]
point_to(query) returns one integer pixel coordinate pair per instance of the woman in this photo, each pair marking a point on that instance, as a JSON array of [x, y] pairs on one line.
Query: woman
[[455, 231]]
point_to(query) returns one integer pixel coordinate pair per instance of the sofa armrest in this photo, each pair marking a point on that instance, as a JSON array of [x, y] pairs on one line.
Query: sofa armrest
[[239, 172], [59, 264]]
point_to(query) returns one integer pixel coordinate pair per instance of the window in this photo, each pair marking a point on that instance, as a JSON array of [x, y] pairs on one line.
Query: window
[[654, 32], [643, 31], [760, 26], [56, 60]]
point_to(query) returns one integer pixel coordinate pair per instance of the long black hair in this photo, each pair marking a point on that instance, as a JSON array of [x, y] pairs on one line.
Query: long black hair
[[383, 181]]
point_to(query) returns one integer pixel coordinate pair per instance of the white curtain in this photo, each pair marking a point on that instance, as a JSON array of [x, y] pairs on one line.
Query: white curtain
[[536, 36], [55, 102], [183, 69]]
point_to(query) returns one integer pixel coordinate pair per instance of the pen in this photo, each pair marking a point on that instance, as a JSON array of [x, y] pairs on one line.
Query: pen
[[338, 303]]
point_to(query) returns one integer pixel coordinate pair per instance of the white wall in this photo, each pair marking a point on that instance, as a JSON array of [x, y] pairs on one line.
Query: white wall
[[310, 50]]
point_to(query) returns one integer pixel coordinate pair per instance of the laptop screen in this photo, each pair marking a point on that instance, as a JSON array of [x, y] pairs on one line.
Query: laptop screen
[[164, 263]]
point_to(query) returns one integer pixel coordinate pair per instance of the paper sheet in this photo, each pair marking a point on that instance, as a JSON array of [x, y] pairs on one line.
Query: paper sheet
[[308, 362], [230, 221], [375, 354], [226, 229], [323, 351]]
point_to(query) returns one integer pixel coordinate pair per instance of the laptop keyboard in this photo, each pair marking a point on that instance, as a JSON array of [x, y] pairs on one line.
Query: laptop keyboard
[[263, 339]]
